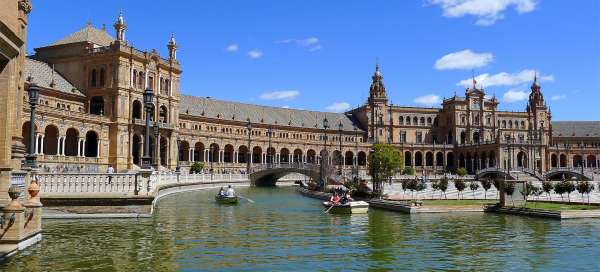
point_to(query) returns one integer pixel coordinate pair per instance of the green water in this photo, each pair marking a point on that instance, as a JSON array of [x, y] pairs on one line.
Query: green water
[[285, 231]]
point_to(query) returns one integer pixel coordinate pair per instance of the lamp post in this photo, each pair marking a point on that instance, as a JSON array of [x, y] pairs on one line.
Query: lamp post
[[178, 168], [211, 157], [249, 127], [148, 97], [340, 158], [324, 159], [34, 95], [269, 155], [355, 166]]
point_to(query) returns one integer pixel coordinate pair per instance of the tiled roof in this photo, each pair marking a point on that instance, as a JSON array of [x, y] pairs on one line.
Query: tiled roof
[[226, 110], [576, 129], [87, 34], [42, 74]]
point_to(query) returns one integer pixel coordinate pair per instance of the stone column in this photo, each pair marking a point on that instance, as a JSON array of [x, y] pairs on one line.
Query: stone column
[[58, 147], [83, 148], [98, 148], [64, 140]]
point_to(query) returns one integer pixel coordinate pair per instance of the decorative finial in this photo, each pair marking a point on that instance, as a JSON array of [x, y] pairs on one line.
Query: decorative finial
[[474, 81]]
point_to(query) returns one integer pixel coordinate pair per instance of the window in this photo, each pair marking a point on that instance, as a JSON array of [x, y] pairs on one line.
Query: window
[[419, 137], [429, 120], [93, 78], [402, 136], [401, 120], [102, 77], [422, 121]]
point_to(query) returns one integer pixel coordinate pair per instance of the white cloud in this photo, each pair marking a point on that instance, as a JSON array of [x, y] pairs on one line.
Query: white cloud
[[558, 97], [487, 12], [255, 54], [232, 48], [280, 95], [505, 79], [338, 107], [312, 44], [428, 100], [514, 96], [465, 59], [285, 107]]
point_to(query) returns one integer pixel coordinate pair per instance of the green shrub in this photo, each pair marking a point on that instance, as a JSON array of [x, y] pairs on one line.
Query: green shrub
[[409, 171], [461, 172], [196, 167], [486, 184]]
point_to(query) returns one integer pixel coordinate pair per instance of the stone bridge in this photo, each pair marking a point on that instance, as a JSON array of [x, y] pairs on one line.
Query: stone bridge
[[268, 174], [558, 173]]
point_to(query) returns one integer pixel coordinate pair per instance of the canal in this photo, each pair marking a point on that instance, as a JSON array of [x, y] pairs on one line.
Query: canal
[[282, 230]]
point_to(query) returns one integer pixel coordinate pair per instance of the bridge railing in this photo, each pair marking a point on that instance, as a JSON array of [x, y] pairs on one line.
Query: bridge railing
[[86, 184]]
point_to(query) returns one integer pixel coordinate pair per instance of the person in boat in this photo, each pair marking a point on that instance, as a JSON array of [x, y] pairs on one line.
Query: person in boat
[[346, 198], [221, 191], [230, 191], [334, 199]]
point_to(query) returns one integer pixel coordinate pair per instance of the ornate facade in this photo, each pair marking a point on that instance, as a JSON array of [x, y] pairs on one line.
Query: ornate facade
[[92, 115]]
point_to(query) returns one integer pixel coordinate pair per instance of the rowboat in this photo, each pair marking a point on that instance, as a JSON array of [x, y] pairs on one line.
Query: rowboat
[[226, 199], [353, 207]]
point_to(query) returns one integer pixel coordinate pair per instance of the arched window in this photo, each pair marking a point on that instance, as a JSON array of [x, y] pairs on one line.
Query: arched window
[[134, 78], [401, 120], [422, 121], [141, 80], [102, 77], [93, 78], [163, 114], [415, 121], [408, 120], [429, 120], [136, 111]]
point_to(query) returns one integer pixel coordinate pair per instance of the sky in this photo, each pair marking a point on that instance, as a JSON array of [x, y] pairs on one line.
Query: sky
[[320, 55]]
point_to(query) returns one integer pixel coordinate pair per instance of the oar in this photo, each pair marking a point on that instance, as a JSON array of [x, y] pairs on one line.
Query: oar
[[328, 209], [249, 200]]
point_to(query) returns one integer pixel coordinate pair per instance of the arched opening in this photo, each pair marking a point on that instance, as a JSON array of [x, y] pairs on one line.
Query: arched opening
[[492, 159], [476, 137], [243, 154], [407, 158], [163, 115], [297, 155], [462, 162], [213, 153], [563, 160], [418, 158], [164, 147], [51, 140], [337, 157], [136, 146], [591, 161], [362, 158], [199, 151], [349, 157], [521, 159], [136, 110], [184, 154], [469, 165], [71, 142], [284, 156], [271, 155], [429, 159], [228, 154], [93, 78], [577, 161], [311, 156], [463, 137], [25, 134], [553, 161], [91, 144], [450, 161], [256, 154], [97, 105], [439, 159]]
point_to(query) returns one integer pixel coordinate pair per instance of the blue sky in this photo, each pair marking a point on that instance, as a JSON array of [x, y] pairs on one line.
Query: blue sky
[[320, 55]]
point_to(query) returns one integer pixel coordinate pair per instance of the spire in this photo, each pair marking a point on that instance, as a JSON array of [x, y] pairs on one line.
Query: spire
[[120, 27], [536, 98], [172, 46]]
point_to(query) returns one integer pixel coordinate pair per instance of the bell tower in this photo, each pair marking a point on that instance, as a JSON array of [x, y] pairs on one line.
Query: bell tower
[[378, 106], [539, 124], [172, 46]]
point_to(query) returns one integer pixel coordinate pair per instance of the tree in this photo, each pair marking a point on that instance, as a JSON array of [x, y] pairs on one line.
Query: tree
[[461, 172], [409, 171], [509, 189], [559, 188], [569, 188], [196, 167], [585, 187], [547, 186], [405, 184], [528, 190], [473, 186], [486, 183], [412, 186], [384, 162], [443, 186], [460, 185], [435, 187]]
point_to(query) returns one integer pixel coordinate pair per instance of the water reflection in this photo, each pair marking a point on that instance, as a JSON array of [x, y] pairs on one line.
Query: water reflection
[[285, 231]]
